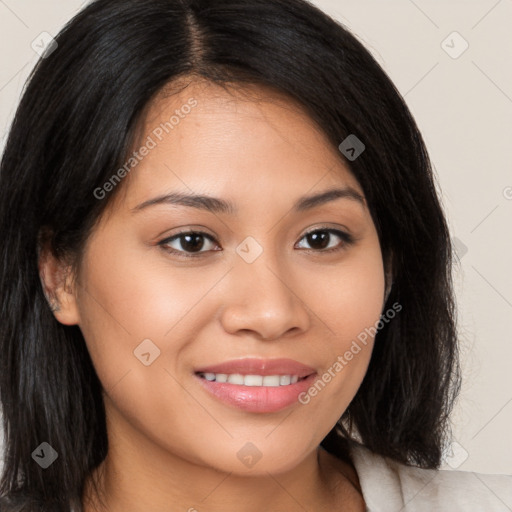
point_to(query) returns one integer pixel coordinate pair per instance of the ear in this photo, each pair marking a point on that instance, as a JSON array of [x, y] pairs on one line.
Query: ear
[[59, 287]]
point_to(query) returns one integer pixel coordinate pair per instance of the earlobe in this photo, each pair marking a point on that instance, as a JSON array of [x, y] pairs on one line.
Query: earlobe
[[58, 288]]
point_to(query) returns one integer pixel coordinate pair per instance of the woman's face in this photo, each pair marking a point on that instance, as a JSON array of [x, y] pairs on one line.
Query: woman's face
[[258, 287]]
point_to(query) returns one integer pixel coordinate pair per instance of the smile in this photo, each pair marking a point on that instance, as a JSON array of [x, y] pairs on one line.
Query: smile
[[252, 380]]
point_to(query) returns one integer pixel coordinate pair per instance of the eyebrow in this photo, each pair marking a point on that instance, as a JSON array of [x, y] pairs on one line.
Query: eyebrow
[[217, 205]]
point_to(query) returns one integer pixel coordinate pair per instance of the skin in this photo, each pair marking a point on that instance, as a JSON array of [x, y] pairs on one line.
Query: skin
[[172, 446]]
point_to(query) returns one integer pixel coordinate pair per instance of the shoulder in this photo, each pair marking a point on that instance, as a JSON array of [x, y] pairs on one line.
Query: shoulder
[[388, 485]]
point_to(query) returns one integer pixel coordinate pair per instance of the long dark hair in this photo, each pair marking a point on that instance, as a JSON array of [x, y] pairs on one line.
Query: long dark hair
[[74, 126]]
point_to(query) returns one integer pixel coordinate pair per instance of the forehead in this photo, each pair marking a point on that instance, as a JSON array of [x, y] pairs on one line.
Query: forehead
[[238, 141]]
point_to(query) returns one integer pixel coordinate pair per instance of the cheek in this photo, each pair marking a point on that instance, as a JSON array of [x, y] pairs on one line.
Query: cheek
[[349, 298], [123, 302], [130, 296], [351, 304], [134, 292]]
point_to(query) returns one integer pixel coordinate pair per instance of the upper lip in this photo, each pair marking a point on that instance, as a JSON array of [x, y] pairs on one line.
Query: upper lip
[[263, 367]]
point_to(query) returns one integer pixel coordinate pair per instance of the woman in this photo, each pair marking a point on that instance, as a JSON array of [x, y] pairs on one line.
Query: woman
[[231, 286]]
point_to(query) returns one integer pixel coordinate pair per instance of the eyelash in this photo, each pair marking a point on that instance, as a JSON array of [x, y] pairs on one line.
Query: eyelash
[[345, 237]]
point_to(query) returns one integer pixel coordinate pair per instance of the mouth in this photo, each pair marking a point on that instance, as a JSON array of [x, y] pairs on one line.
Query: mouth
[[252, 380], [257, 386]]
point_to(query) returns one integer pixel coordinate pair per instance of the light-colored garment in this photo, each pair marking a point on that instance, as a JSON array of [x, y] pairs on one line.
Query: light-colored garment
[[389, 486]]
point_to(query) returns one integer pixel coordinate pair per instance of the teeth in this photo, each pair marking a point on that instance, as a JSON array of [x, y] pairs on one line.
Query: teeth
[[252, 380], [284, 380], [235, 378], [271, 380]]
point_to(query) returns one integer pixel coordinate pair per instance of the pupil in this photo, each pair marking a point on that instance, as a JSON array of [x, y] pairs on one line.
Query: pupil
[[192, 242], [314, 238]]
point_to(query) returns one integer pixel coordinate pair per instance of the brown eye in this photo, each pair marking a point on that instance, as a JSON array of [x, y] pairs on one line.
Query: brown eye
[[187, 244], [320, 240]]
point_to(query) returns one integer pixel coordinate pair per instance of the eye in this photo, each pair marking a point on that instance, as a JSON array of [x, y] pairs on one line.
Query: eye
[[189, 242], [320, 240]]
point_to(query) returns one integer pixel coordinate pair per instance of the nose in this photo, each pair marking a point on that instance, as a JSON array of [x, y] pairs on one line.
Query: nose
[[263, 299]]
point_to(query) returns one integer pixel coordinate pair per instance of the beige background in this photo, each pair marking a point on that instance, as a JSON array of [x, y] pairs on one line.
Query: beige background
[[463, 105]]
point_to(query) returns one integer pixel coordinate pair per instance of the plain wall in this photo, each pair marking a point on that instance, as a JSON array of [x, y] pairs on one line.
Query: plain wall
[[463, 106]]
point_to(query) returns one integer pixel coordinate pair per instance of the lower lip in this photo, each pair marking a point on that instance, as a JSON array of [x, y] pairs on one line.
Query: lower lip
[[257, 398]]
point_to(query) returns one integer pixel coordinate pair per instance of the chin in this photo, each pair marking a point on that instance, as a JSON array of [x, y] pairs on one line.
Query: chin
[[254, 459]]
